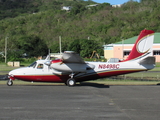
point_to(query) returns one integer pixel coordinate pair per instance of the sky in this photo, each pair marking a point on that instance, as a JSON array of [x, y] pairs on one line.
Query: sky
[[113, 2]]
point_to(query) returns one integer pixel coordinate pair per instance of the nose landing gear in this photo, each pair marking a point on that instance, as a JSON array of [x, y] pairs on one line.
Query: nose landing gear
[[10, 82]]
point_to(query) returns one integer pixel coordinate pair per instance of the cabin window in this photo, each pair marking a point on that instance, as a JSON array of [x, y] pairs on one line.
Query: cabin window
[[40, 66], [33, 65]]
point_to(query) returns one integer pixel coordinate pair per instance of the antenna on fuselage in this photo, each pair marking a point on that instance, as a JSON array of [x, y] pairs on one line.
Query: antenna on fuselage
[[48, 56]]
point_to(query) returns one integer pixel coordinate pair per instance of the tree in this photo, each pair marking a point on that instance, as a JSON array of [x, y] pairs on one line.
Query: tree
[[32, 45], [75, 46], [77, 8], [84, 47]]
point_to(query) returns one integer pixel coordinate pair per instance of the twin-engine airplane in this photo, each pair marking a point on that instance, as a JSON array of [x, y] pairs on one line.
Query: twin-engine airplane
[[71, 68]]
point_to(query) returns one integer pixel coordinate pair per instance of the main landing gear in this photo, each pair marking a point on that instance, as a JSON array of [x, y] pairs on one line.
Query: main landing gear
[[10, 82], [71, 81]]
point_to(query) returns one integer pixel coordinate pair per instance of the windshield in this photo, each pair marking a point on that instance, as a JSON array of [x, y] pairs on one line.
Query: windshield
[[33, 65]]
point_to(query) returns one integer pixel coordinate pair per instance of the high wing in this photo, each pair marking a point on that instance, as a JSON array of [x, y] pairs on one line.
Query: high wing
[[71, 57], [71, 62]]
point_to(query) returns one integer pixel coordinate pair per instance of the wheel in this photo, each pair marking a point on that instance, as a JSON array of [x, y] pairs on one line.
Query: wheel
[[71, 82], [9, 82]]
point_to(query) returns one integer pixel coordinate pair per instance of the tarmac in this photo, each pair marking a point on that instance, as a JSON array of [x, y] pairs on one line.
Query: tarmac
[[89, 101]]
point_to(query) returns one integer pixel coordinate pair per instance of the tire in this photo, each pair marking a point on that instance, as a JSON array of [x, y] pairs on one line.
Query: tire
[[9, 82], [71, 82]]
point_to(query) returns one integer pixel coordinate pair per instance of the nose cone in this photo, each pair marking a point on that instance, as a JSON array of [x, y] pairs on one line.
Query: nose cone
[[19, 71], [13, 72]]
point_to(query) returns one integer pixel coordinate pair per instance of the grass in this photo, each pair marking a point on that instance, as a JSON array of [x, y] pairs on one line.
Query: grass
[[158, 64], [126, 82], [142, 75]]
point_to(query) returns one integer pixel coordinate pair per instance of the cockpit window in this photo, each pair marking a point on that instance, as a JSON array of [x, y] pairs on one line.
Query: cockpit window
[[33, 65], [40, 66]]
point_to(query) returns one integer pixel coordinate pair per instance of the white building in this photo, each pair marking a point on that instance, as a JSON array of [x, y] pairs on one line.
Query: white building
[[67, 8]]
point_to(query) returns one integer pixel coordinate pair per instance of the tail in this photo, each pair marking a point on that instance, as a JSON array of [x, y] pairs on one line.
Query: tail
[[143, 46]]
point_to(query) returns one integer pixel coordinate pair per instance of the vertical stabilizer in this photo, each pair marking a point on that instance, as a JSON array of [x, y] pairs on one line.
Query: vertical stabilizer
[[143, 46]]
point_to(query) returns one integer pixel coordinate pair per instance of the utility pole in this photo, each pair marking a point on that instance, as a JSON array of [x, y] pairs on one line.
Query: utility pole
[[6, 49], [60, 47]]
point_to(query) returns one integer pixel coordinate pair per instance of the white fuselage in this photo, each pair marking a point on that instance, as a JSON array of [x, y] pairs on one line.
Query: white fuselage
[[101, 70]]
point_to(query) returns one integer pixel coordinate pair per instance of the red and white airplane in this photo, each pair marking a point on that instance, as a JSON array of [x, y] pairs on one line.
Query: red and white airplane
[[71, 68]]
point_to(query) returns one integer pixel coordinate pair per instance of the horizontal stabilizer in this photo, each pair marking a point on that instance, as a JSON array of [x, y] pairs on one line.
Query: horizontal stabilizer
[[148, 60]]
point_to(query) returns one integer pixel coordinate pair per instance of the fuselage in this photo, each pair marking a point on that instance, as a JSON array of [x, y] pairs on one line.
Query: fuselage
[[100, 70]]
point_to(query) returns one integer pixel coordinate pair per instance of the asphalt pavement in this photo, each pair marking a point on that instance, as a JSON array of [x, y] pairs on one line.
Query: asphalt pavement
[[90, 101]]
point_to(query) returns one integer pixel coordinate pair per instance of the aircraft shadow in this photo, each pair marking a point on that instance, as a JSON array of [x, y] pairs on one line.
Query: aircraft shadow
[[4, 77], [98, 85]]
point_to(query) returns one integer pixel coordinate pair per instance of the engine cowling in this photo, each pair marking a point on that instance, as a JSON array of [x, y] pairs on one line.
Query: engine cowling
[[71, 67]]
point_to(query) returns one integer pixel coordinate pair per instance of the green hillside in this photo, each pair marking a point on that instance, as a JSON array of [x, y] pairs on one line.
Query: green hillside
[[33, 27]]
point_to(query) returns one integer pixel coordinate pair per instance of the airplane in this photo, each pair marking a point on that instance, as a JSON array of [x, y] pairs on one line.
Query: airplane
[[71, 68]]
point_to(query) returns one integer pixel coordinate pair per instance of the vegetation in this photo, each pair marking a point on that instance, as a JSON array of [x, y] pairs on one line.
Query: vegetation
[[34, 26]]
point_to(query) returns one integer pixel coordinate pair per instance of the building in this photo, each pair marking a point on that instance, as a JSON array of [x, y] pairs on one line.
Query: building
[[94, 5], [115, 6], [67, 8], [122, 49]]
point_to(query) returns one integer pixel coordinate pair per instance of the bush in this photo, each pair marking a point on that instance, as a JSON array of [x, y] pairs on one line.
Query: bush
[[2, 59]]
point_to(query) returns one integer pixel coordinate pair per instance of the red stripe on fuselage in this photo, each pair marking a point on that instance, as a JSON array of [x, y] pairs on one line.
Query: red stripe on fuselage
[[114, 73], [64, 78], [42, 78]]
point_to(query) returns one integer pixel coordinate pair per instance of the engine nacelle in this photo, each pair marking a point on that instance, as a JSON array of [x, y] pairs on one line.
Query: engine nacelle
[[71, 67], [71, 57]]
